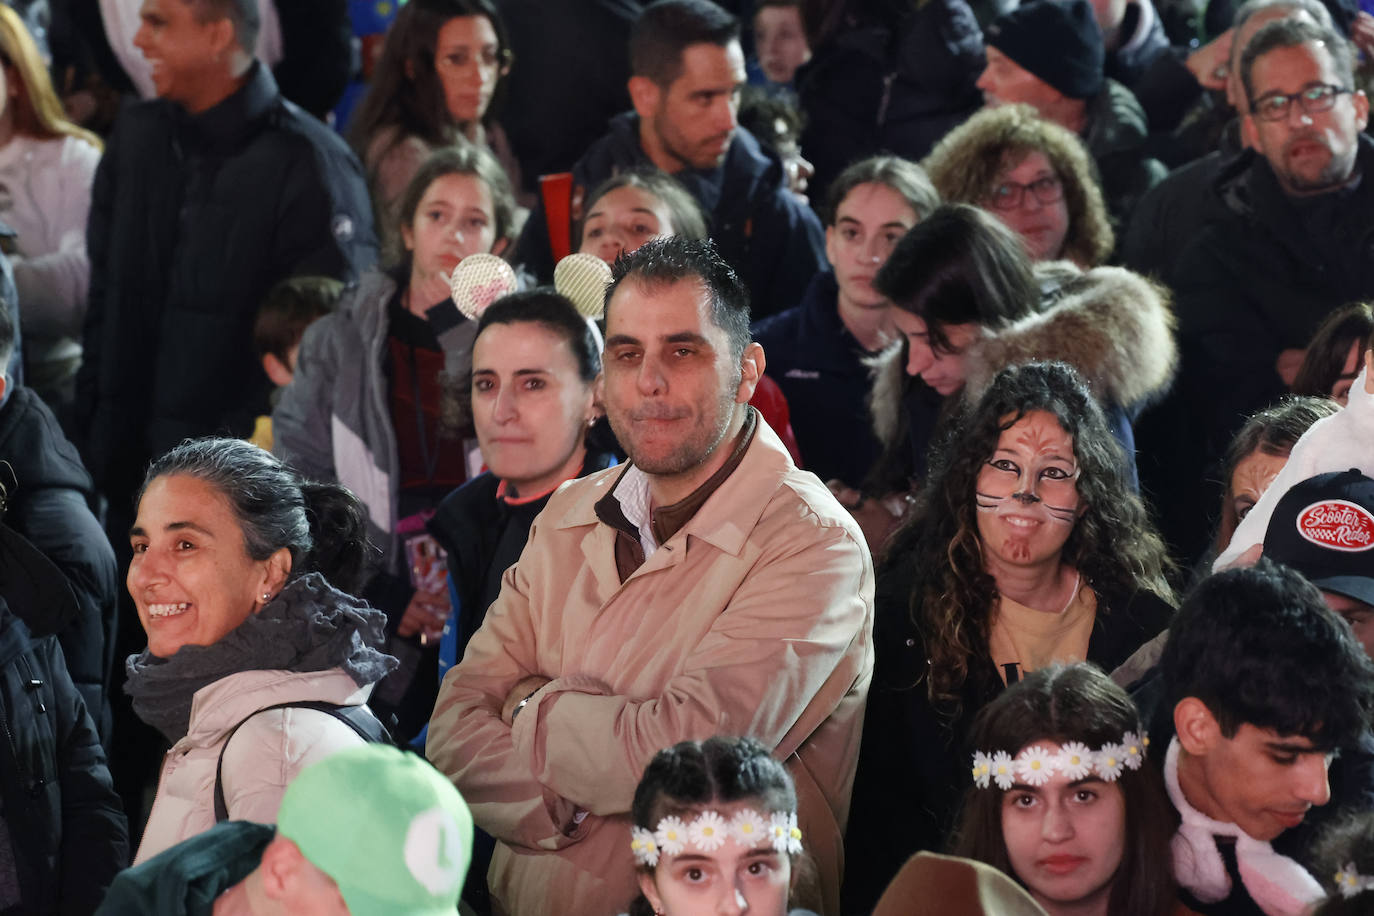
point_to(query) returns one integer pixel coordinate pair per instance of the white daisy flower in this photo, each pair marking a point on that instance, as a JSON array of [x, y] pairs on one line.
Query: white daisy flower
[[1075, 760], [643, 846], [708, 831], [1135, 750], [1003, 770], [748, 828], [671, 836], [794, 845], [1111, 760], [1348, 880], [982, 770], [1035, 765], [779, 830]]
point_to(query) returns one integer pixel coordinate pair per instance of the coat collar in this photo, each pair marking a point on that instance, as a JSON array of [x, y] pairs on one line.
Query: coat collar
[[726, 519], [225, 123]]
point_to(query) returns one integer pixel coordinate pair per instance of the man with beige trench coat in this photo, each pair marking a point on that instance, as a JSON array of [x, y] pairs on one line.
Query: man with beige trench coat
[[707, 587]]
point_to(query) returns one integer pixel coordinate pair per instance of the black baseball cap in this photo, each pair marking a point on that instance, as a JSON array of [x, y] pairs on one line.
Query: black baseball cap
[[1324, 528]]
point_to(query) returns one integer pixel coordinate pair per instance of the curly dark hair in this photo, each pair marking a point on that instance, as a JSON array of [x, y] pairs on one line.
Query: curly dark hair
[[1113, 544]]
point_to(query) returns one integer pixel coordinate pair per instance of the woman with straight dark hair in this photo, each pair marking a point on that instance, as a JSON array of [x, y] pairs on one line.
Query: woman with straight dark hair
[[1026, 547], [240, 575], [438, 81], [1065, 801], [968, 303]]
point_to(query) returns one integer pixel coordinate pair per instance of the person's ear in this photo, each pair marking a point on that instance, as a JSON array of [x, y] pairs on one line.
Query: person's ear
[[275, 573], [276, 370], [408, 237], [650, 891], [1361, 103], [278, 866], [645, 95], [499, 247], [223, 38], [4, 385], [751, 366], [1197, 729]]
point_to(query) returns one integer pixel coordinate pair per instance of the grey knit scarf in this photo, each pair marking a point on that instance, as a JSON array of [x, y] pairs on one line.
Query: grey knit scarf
[[308, 626]]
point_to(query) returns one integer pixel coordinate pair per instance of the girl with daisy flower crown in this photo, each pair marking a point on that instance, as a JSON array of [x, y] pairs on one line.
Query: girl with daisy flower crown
[[715, 830], [1064, 801]]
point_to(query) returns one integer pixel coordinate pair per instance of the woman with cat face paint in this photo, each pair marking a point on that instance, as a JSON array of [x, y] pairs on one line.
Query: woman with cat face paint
[[1026, 547]]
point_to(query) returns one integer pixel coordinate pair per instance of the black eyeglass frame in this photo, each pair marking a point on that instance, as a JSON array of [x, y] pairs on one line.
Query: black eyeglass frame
[[1309, 104], [1053, 187]]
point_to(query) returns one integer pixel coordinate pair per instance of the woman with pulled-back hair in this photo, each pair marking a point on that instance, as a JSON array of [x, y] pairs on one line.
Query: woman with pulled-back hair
[[236, 575], [715, 831]]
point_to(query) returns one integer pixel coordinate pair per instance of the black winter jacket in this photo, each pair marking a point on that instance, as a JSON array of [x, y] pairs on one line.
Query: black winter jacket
[[913, 761], [774, 241], [820, 368], [65, 822], [483, 537], [1257, 280], [52, 507], [888, 82], [1116, 136], [193, 219]]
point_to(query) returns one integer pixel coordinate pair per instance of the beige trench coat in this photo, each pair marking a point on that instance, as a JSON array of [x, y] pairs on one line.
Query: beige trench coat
[[755, 619]]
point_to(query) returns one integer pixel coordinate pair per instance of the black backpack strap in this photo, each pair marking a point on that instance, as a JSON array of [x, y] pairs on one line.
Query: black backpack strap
[[359, 718]]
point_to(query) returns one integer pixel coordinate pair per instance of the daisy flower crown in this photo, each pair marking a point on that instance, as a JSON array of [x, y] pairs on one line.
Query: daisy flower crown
[[710, 831], [1036, 764], [1350, 882]]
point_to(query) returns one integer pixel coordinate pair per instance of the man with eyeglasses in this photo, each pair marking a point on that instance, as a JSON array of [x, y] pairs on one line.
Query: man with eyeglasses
[[1293, 240]]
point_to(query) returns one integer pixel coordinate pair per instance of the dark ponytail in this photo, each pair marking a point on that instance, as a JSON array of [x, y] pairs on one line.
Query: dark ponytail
[[338, 530]]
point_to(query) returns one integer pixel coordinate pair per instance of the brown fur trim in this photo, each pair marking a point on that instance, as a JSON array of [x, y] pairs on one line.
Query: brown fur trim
[[1114, 326]]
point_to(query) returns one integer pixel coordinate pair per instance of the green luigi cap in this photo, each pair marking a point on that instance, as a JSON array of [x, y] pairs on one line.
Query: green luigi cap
[[391, 831]]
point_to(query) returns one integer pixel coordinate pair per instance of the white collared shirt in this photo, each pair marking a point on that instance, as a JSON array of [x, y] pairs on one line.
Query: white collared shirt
[[633, 495]]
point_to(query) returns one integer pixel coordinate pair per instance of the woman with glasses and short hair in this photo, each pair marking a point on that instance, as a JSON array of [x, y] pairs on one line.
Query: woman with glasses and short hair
[[1031, 174]]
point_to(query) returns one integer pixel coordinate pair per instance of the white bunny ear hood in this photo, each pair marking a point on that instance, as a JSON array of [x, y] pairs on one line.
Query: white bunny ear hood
[[1112, 325], [1277, 884]]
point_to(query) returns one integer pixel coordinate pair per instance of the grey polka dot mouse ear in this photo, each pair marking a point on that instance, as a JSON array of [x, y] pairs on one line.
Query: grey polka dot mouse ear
[[479, 280], [583, 279]]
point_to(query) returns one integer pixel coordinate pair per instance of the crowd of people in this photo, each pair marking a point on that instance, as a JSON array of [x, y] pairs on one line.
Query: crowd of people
[[536, 491]]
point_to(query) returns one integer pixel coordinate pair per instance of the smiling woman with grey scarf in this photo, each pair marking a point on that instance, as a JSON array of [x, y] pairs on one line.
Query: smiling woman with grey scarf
[[233, 558]]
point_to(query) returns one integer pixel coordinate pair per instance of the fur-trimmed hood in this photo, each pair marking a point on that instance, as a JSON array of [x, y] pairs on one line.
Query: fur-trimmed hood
[[1112, 325]]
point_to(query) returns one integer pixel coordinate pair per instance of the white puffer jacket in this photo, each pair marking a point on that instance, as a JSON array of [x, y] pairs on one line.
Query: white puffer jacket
[[45, 196], [265, 755]]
